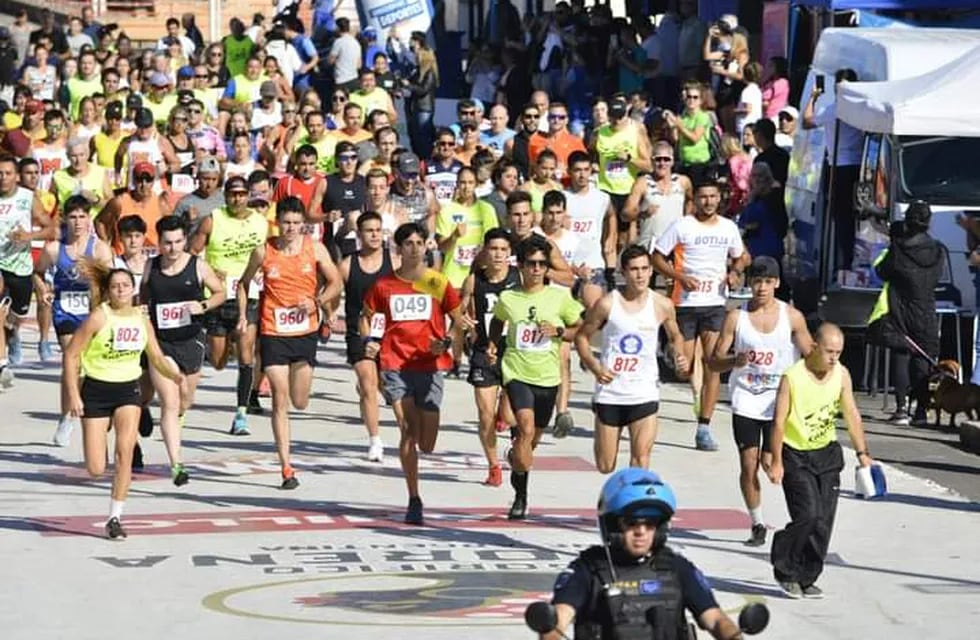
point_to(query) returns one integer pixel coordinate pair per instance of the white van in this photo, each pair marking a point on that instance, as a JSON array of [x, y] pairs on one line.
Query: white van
[[904, 73]]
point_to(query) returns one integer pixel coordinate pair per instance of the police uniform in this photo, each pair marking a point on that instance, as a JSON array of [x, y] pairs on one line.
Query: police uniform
[[653, 593]]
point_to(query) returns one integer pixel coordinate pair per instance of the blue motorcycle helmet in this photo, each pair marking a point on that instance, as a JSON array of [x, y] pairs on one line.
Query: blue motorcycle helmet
[[635, 493]]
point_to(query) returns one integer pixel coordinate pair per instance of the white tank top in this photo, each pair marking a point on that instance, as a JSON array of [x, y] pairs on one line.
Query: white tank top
[[144, 151], [630, 351], [49, 160], [15, 213], [567, 244], [753, 387], [586, 212], [669, 205]]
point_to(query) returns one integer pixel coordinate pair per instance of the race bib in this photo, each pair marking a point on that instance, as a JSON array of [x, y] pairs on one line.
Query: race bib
[[528, 337], [410, 306], [173, 315], [314, 230], [466, 254], [128, 339], [291, 320], [582, 226], [759, 383], [617, 169], [760, 358], [182, 183], [627, 359], [75, 303], [231, 287], [377, 328]]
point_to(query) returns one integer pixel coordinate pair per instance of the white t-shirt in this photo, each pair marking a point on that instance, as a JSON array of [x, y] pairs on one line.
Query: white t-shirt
[[287, 57], [348, 52], [752, 98], [701, 250]]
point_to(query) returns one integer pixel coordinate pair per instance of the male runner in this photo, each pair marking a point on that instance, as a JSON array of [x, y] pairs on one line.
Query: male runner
[[708, 258], [627, 391], [658, 199], [359, 271], [592, 219], [538, 318], [766, 337], [413, 303], [481, 290]]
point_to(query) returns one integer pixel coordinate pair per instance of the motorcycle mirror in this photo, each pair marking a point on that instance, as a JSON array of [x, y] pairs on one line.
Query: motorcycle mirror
[[542, 617], [753, 618]]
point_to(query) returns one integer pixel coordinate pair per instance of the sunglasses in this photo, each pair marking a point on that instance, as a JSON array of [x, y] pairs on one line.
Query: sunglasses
[[650, 523], [444, 143], [180, 119], [692, 97], [556, 117], [203, 77], [347, 157], [666, 159], [530, 115], [143, 179], [468, 128], [785, 116], [536, 263], [339, 99]]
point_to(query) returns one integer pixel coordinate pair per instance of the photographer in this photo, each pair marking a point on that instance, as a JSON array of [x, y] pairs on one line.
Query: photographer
[[727, 53]]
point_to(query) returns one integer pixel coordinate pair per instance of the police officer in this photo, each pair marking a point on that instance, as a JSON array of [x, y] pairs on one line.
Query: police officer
[[633, 585]]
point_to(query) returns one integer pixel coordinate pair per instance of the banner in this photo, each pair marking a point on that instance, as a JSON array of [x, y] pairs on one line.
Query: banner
[[407, 15], [775, 21]]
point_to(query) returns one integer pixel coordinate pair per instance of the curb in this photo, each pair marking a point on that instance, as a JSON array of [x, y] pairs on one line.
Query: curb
[[970, 436]]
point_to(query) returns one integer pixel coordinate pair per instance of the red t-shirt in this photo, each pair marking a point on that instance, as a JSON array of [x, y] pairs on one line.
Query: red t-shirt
[[414, 313], [292, 186]]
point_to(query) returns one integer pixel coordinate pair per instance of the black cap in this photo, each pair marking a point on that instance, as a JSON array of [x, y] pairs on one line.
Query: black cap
[[185, 97], [144, 118], [617, 109], [763, 267], [134, 101], [114, 110], [236, 183]]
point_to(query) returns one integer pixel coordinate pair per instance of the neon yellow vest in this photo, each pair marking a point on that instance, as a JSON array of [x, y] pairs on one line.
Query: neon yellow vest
[[113, 354], [812, 420], [78, 89], [377, 98], [616, 176], [232, 240], [65, 185], [247, 91]]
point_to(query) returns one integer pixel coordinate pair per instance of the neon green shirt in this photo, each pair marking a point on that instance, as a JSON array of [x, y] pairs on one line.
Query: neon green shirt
[[529, 357]]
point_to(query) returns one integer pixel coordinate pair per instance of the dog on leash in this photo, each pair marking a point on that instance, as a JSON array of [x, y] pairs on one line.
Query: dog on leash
[[952, 396]]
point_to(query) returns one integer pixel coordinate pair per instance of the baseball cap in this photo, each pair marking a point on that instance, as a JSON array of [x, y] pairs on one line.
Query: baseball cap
[[617, 109], [763, 267], [144, 169], [369, 32], [134, 101], [408, 163], [268, 89], [186, 72], [114, 110], [791, 111], [208, 165], [159, 79], [185, 97], [144, 118], [236, 183], [34, 106]]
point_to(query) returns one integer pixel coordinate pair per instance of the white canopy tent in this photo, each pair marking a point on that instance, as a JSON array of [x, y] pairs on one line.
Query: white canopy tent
[[940, 102]]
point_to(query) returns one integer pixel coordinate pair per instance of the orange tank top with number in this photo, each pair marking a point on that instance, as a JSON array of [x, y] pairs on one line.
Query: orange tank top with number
[[147, 209], [289, 280]]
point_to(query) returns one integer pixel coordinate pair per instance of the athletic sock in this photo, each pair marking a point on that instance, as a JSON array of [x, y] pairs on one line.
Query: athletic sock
[[244, 384], [518, 480], [704, 425], [116, 508], [756, 515], [376, 440]]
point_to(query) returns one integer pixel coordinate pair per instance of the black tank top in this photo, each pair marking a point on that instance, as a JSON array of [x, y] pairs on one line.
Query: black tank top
[[358, 283], [485, 296], [344, 196], [185, 155], [163, 289], [520, 154]]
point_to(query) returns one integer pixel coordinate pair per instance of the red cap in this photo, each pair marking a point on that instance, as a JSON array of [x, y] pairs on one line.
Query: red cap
[[34, 106], [144, 169]]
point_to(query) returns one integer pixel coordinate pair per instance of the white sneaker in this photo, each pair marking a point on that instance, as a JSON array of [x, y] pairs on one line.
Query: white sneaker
[[6, 376], [62, 435], [376, 452]]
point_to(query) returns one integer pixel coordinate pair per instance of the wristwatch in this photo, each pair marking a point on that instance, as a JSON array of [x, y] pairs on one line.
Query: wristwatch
[[859, 454]]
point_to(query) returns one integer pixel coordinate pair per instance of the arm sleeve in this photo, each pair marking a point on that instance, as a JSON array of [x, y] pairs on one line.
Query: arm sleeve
[[695, 589], [573, 586]]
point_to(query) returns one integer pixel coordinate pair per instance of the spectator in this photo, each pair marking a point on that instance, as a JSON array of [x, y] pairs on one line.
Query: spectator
[[777, 158], [421, 103], [763, 221], [304, 47], [238, 48], [727, 68], [911, 268], [187, 45], [691, 131], [77, 38], [483, 74], [630, 61], [503, 24], [49, 30], [788, 117], [775, 86], [514, 85], [739, 165], [345, 57], [749, 108], [849, 146], [189, 23], [371, 47], [20, 35]]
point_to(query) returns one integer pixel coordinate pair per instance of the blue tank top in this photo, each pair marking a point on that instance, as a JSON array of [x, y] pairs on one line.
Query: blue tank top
[[71, 291]]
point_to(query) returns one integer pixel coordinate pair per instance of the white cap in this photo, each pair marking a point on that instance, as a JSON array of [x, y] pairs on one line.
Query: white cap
[[791, 111]]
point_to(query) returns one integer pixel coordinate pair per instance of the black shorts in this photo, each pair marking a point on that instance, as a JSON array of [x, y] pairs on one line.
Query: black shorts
[[66, 327], [355, 349], [285, 350], [224, 319], [618, 202], [101, 399], [530, 396], [19, 289], [188, 354], [693, 321], [750, 431], [482, 373], [623, 415]]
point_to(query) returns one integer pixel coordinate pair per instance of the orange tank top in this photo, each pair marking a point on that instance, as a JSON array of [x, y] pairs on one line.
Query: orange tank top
[[148, 209], [288, 280]]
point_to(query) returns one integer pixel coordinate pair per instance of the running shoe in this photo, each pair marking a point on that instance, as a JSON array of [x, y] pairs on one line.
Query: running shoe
[[137, 457], [376, 451], [791, 589], [45, 352], [495, 476], [289, 480], [15, 348], [414, 513], [563, 424], [254, 407], [6, 377], [758, 536], [900, 418], [179, 475], [703, 441], [146, 422], [114, 530], [62, 435], [812, 592], [518, 510], [239, 426]]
